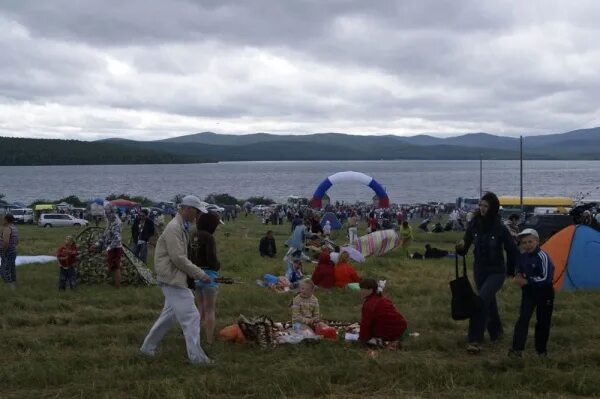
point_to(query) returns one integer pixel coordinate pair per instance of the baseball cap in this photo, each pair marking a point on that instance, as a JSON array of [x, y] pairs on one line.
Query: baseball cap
[[528, 232], [194, 202]]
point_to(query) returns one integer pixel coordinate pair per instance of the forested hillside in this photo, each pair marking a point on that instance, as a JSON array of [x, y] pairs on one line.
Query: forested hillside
[[17, 151]]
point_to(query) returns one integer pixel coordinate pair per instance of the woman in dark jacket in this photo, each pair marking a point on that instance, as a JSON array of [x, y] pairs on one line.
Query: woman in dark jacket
[[203, 253], [490, 239]]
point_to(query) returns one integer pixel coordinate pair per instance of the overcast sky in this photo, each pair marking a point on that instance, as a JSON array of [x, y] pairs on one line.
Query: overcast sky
[[147, 69]]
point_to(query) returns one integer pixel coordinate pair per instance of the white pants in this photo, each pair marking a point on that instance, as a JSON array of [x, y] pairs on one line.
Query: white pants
[[352, 234], [180, 307]]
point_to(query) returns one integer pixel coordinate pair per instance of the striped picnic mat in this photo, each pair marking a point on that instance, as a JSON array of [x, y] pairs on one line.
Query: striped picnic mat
[[377, 243]]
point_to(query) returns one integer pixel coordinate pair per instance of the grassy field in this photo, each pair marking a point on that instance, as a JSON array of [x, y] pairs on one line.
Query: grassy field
[[84, 344]]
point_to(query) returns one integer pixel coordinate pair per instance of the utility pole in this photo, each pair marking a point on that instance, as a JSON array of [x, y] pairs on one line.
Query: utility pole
[[521, 171], [480, 175]]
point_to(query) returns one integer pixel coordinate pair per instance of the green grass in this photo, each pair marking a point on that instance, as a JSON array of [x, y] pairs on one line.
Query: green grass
[[84, 344]]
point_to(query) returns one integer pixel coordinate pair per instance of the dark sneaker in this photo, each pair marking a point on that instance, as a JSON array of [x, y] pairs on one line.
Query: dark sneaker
[[543, 355], [473, 348], [497, 338], [515, 354]]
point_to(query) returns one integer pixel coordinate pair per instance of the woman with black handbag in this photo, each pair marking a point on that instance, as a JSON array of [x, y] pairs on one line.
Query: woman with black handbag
[[490, 239]]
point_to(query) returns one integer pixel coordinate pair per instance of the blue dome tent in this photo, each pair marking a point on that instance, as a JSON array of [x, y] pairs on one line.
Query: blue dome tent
[[333, 220]]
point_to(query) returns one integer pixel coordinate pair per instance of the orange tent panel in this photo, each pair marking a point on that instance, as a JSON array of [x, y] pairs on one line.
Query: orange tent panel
[[558, 248]]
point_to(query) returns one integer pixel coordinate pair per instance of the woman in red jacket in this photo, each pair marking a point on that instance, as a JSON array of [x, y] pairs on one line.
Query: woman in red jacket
[[344, 272], [324, 274], [380, 321]]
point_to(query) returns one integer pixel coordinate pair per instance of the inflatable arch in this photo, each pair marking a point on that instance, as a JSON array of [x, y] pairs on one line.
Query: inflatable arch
[[350, 177]]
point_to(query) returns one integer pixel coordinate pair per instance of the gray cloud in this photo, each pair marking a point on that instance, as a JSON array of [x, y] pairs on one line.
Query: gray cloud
[[146, 69]]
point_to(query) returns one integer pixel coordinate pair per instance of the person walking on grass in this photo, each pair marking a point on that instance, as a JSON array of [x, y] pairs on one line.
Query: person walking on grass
[[534, 275], [352, 228], [67, 258], [9, 240], [173, 268], [490, 239], [112, 243], [142, 231]]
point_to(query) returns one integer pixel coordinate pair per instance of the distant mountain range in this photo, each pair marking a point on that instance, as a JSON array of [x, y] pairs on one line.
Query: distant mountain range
[[581, 144]]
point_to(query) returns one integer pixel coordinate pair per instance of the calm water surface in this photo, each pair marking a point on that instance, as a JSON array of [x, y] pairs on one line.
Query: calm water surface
[[405, 181]]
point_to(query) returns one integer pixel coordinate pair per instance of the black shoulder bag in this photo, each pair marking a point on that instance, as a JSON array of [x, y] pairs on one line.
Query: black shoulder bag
[[464, 300]]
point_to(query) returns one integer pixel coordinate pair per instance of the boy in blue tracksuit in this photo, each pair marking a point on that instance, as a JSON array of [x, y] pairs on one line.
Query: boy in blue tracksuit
[[534, 275]]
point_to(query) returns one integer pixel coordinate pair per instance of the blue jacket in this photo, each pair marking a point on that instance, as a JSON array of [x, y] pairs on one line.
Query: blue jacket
[[297, 238], [537, 267], [293, 275]]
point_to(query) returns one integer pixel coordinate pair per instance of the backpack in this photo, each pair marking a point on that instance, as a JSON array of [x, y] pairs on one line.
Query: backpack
[[464, 301], [258, 330]]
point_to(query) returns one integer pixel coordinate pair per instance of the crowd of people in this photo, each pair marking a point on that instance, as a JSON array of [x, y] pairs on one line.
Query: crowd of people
[[187, 268]]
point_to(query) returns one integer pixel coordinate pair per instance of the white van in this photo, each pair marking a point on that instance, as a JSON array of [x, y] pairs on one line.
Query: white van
[[23, 215]]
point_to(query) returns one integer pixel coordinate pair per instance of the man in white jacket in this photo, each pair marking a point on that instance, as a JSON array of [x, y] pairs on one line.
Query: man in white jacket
[[172, 268]]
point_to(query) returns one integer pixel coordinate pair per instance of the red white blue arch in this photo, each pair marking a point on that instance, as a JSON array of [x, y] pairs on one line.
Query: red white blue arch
[[350, 177]]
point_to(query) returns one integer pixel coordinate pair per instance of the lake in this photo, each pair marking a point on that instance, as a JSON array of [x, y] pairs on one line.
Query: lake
[[405, 181]]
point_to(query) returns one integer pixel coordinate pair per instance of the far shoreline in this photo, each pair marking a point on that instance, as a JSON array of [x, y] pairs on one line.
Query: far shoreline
[[306, 161]]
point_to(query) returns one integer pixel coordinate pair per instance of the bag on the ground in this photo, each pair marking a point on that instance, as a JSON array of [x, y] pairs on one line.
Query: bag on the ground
[[232, 333], [464, 300], [258, 330]]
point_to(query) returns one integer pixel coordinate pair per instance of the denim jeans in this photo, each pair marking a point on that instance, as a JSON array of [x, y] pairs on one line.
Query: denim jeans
[[487, 317], [141, 251], [8, 269], [67, 276]]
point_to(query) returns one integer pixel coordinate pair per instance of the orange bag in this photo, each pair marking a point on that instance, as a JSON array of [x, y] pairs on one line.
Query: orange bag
[[232, 333]]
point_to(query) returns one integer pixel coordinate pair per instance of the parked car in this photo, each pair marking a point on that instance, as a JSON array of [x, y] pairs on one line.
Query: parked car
[[259, 208], [215, 208], [60, 220], [547, 225], [23, 215]]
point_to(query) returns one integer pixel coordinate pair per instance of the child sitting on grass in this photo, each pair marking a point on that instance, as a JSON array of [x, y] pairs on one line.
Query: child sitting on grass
[[305, 307], [294, 272], [380, 321], [67, 258], [534, 275]]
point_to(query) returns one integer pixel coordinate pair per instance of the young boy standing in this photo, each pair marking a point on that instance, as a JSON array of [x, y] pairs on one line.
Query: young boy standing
[[67, 258], [534, 275]]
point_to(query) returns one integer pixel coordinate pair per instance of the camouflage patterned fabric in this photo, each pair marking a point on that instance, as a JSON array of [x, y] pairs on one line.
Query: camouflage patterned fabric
[[92, 264], [258, 330]]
